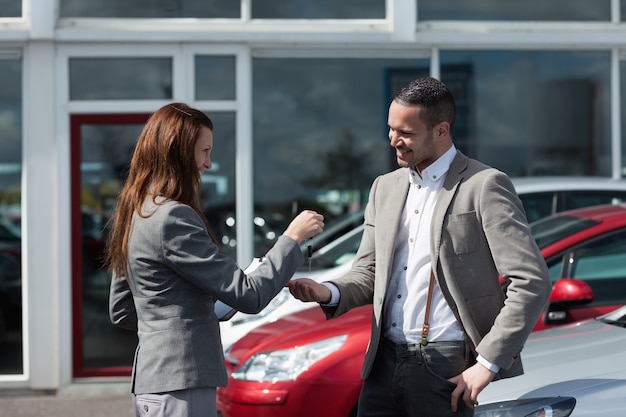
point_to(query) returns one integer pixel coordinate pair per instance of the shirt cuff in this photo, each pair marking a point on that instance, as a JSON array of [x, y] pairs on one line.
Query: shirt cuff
[[334, 294], [491, 366]]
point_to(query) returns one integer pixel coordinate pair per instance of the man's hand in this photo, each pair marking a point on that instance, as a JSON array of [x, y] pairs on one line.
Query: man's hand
[[469, 384], [306, 289]]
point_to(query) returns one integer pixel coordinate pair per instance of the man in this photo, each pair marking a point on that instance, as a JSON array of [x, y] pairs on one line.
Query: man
[[445, 216]]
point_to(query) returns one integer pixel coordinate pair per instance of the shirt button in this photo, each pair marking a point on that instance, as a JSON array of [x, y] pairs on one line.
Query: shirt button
[[419, 187], [411, 240], [399, 296], [417, 211], [393, 324], [405, 268]]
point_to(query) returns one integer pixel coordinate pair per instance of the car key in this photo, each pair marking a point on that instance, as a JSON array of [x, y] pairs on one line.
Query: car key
[[309, 250]]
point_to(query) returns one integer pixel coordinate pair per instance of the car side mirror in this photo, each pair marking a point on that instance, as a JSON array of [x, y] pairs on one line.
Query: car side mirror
[[566, 292]]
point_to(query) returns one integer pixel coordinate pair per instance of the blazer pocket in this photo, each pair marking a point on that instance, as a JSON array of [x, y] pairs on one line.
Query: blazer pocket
[[463, 232]]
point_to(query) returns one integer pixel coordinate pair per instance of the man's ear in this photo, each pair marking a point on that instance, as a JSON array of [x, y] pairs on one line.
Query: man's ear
[[442, 129]]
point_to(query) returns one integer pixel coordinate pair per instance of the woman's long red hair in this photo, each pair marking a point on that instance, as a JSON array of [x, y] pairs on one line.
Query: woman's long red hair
[[163, 164]]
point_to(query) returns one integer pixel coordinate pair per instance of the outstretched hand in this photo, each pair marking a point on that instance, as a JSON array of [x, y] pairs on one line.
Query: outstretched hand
[[469, 384], [305, 289], [305, 225]]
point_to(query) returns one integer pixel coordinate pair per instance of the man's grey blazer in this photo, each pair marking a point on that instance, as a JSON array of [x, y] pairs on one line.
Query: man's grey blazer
[[478, 232], [175, 273]]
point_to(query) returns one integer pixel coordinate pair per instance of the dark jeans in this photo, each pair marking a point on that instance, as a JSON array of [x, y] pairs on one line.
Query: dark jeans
[[412, 380]]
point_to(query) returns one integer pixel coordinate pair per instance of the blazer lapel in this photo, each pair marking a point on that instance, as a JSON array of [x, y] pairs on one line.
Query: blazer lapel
[[391, 213], [450, 185]]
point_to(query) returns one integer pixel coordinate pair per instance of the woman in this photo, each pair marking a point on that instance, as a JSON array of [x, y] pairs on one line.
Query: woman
[[168, 272]]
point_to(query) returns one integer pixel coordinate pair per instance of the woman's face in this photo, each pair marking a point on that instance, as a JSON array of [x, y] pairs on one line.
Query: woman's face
[[202, 151]]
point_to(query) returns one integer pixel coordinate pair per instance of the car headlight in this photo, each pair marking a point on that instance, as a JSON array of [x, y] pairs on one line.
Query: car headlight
[[288, 364], [528, 407]]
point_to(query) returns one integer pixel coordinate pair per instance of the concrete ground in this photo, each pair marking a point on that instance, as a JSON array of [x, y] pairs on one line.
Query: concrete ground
[[72, 403]]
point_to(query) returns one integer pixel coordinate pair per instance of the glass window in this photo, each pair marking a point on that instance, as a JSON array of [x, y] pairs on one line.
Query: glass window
[[11, 342], [538, 205], [622, 94], [532, 112], [540, 10], [320, 9], [10, 8], [150, 8], [215, 77], [120, 78], [601, 263], [106, 145], [320, 133], [579, 199], [218, 184]]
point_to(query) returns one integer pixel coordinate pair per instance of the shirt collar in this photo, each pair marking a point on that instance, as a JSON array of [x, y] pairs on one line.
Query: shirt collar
[[437, 169]]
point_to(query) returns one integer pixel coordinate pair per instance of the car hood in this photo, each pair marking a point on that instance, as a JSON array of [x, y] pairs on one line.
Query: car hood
[[579, 360], [297, 329]]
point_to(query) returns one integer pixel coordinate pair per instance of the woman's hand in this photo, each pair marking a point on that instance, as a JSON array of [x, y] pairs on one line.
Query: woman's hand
[[305, 225]]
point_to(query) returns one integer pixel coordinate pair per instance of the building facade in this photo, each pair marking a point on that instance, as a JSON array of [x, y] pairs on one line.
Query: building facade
[[298, 92]]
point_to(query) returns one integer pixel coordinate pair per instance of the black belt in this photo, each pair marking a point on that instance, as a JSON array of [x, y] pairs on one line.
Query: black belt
[[414, 347]]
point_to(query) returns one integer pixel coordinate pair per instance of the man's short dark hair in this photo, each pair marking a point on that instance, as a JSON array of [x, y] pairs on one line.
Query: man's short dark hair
[[433, 96]]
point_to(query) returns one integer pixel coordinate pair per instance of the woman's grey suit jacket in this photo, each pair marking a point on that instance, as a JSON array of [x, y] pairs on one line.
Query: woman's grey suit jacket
[[175, 274], [478, 232]]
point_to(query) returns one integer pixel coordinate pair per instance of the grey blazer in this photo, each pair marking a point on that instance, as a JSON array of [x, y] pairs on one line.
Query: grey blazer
[[478, 232], [175, 274]]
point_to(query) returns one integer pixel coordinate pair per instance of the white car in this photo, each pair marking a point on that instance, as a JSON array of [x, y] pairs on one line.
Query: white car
[[583, 361], [329, 262], [543, 196]]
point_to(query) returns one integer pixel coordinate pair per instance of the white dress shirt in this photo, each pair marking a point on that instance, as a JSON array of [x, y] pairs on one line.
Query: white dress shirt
[[405, 302]]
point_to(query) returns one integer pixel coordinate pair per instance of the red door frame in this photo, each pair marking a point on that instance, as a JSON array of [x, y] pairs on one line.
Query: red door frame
[[76, 121]]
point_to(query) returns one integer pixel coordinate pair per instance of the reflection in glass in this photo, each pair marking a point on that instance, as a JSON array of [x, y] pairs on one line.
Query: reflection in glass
[[622, 94], [218, 184], [215, 77], [320, 9], [320, 133], [120, 78], [150, 8], [11, 342], [540, 10], [105, 152], [533, 112], [10, 8]]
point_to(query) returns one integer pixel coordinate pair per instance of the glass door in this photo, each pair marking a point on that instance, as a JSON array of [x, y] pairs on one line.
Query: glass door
[[101, 148]]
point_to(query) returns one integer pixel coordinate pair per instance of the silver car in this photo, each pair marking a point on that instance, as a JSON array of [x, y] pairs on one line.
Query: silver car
[[578, 369], [543, 196]]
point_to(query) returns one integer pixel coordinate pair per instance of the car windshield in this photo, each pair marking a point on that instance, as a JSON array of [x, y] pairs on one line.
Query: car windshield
[[617, 317], [339, 251], [552, 229], [334, 229]]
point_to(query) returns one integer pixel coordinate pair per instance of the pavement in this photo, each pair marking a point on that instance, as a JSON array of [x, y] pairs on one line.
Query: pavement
[[65, 404]]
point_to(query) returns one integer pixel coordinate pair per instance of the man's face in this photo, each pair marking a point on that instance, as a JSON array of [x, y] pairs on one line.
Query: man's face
[[414, 142]]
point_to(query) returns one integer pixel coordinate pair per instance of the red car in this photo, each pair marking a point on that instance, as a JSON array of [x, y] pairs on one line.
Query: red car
[[304, 365]]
